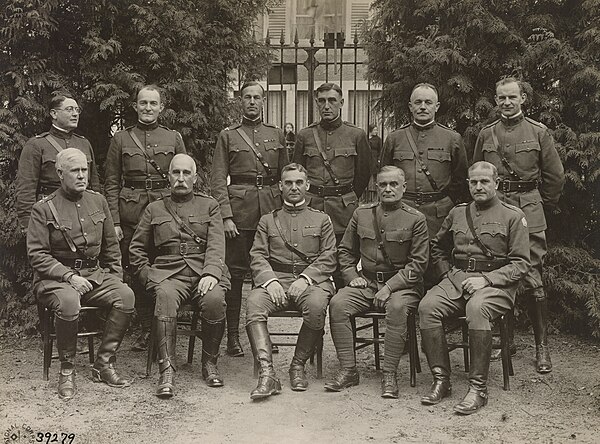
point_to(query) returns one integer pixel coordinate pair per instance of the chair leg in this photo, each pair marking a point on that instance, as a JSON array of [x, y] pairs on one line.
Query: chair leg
[[192, 342], [319, 358], [91, 349], [376, 344], [353, 325], [46, 320], [413, 357], [505, 349], [151, 348], [465, 340]]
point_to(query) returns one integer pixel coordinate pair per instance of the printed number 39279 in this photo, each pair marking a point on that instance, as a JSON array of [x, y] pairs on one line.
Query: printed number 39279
[[64, 438]]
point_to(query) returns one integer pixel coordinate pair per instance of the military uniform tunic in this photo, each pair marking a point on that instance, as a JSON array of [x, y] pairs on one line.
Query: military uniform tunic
[[443, 152], [404, 235], [347, 149], [529, 149], [37, 177], [503, 230], [311, 232], [89, 224], [167, 260]]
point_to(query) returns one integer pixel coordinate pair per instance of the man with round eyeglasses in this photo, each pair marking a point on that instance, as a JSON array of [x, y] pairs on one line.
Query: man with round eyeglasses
[[36, 174]]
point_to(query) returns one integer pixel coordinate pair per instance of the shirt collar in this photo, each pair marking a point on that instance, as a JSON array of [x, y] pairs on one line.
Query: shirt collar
[[328, 125], [420, 127], [147, 126]]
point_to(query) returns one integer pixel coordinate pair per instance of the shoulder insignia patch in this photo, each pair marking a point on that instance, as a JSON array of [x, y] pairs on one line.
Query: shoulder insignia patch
[[315, 210], [491, 124], [441, 125], [536, 123], [78, 135], [270, 125]]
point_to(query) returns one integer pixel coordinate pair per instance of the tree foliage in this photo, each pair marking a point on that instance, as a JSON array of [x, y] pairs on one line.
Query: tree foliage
[[102, 51], [464, 47]]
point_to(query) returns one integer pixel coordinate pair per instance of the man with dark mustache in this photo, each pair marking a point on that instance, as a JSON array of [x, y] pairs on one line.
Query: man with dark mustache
[[178, 253]]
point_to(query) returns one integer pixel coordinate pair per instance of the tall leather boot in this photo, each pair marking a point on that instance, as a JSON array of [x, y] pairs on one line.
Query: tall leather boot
[[103, 369], [307, 341], [212, 335], [66, 343], [538, 314], [166, 342], [348, 375], [436, 350], [480, 343], [233, 298], [260, 341]]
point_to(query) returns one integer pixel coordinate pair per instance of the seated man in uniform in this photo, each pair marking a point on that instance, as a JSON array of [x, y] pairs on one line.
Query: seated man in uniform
[[75, 256], [178, 253], [482, 252], [390, 240], [292, 260]]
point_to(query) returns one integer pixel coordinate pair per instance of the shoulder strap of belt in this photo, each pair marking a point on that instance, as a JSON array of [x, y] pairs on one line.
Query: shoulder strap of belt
[[289, 246], [380, 243], [478, 240], [54, 143], [328, 166], [413, 147], [257, 153], [62, 228], [503, 159], [150, 160], [185, 227]]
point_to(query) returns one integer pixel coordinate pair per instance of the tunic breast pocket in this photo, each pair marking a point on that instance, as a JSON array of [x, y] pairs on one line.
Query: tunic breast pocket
[[199, 224], [98, 221], [163, 155], [367, 239], [163, 230], [134, 162], [403, 157], [494, 236], [440, 160], [398, 243], [459, 233], [490, 154], [311, 240], [527, 156]]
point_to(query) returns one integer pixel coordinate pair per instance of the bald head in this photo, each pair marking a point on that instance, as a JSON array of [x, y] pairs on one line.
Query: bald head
[[183, 159]]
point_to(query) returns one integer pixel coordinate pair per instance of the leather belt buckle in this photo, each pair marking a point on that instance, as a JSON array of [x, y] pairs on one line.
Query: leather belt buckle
[[419, 198], [78, 264], [148, 184], [294, 271], [183, 248], [380, 277], [471, 264], [505, 186], [260, 181]]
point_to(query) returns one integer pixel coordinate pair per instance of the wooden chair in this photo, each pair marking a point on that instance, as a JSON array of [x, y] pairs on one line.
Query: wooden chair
[[504, 322], [281, 343], [46, 316], [184, 327], [377, 339]]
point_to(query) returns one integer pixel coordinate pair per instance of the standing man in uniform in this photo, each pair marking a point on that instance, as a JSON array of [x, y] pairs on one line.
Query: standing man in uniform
[[390, 240], [252, 153], [293, 258], [178, 253], [136, 174], [76, 260], [337, 156], [531, 177], [36, 176], [432, 157], [481, 252]]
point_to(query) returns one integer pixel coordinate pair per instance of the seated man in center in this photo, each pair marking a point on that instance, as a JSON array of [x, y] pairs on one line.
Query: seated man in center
[[391, 242], [292, 260], [178, 253]]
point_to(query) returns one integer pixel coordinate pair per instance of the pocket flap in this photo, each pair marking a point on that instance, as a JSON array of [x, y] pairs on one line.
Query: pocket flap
[[345, 152], [165, 150], [349, 198], [398, 236], [493, 229], [160, 220], [311, 231], [98, 217], [237, 192], [365, 232], [199, 219], [527, 146], [530, 199], [489, 147], [403, 155], [439, 155]]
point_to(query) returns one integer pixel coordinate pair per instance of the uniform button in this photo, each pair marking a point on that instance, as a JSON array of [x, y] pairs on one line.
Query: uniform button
[[507, 145], [382, 230], [85, 234], [385, 214], [477, 214], [419, 170], [147, 134], [82, 219], [257, 144], [255, 131], [420, 152], [295, 229], [471, 242], [328, 147], [330, 133], [295, 245], [78, 205]]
